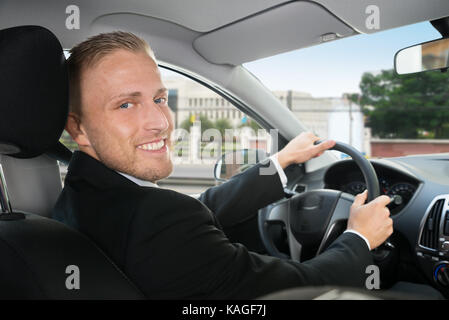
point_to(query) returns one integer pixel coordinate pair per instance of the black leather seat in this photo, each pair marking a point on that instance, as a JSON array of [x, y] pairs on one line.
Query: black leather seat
[[35, 251]]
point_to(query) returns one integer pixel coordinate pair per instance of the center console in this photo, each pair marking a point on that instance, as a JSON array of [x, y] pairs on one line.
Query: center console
[[432, 249]]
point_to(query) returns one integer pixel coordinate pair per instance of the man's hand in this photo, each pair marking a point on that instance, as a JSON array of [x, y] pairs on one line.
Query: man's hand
[[302, 149], [371, 220]]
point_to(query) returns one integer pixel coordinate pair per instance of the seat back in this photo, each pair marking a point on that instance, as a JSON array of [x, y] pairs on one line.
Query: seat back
[[33, 184], [44, 259], [41, 258]]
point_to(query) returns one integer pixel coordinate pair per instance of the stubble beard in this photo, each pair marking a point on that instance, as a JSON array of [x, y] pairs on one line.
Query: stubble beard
[[114, 158]]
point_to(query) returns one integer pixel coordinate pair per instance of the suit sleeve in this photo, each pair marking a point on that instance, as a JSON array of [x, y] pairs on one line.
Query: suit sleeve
[[181, 254], [238, 199]]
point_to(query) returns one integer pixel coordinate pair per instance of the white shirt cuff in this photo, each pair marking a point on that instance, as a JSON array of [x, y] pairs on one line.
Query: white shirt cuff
[[282, 176], [357, 233]]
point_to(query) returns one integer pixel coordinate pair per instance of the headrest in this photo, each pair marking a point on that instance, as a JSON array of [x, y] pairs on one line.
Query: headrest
[[33, 91]]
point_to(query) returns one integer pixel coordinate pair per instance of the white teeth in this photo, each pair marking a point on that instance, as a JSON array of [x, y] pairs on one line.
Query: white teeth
[[152, 146]]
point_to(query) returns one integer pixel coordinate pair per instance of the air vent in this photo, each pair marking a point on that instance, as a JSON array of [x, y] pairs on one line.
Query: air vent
[[431, 229]]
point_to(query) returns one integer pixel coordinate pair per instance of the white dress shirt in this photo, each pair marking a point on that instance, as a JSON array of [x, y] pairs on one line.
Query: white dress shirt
[[282, 176], [140, 182]]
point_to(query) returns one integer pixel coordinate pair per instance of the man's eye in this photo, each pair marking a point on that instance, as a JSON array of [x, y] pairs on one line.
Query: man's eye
[[160, 101], [126, 105]]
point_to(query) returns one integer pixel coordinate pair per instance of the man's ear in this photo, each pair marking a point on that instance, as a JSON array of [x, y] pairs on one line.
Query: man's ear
[[76, 129]]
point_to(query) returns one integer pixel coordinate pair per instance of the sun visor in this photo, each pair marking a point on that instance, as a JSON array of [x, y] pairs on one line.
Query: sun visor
[[288, 27]]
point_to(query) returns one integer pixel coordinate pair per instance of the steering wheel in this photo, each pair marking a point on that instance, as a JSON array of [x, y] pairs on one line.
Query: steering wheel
[[313, 219]]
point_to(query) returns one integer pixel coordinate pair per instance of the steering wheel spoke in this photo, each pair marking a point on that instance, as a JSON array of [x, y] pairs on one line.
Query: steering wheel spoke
[[278, 213], [281, 213], [295, 248], [339, 215]]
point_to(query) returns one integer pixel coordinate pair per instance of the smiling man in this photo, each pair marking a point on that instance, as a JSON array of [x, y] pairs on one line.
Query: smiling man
[[169, 244], [126, 123]]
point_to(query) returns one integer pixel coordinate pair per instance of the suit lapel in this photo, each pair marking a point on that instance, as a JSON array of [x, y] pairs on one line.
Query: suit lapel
[[84, 167]]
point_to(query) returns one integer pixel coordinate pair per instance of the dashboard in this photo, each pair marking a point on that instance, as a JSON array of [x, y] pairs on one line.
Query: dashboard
[[347, 177], [420, 210]]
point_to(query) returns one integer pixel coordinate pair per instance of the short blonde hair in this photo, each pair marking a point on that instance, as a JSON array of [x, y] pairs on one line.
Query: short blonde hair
[[90, 51]]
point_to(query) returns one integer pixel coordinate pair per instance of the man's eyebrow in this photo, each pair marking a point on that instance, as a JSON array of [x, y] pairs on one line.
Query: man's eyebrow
[[127, 94], [160, 91], [137, 94]]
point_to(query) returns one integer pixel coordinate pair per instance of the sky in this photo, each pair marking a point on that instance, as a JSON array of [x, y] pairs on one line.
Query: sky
[[334, 68]]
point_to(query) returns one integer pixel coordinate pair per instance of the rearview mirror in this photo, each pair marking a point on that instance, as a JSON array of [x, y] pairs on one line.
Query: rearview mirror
[[234, 162], [431, 55]]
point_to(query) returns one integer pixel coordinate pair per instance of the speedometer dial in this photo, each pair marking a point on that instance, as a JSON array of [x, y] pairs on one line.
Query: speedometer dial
[[384, 185], [354, 188], [402, 192]]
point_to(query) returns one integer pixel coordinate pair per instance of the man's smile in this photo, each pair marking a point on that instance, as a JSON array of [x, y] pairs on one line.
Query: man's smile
[[156, 146]]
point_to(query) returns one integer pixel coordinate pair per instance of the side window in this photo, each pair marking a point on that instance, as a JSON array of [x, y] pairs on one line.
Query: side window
[[206, 127], [67, 141]]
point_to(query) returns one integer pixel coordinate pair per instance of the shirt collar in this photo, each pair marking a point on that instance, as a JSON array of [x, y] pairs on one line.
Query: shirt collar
[[142, 183]]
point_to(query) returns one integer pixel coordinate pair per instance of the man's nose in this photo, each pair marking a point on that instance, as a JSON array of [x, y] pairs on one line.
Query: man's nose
[[154, 118]]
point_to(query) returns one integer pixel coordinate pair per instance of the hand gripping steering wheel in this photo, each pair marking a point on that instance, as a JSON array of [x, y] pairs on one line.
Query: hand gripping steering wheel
[[311, 217]]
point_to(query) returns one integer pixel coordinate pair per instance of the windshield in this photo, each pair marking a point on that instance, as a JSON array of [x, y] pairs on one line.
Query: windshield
[[346, 90]]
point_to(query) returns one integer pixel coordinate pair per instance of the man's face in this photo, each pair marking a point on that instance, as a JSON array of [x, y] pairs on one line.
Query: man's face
[[126, 119]]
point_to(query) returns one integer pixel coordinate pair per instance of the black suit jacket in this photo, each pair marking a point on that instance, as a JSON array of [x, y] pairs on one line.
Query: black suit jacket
[[172, 245]]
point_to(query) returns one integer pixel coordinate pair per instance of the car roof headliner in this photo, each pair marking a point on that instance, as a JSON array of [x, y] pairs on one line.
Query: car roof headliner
[[224, 31]]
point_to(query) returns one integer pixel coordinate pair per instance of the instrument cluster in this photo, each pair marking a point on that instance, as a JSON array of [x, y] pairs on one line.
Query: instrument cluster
[[347, 177]]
